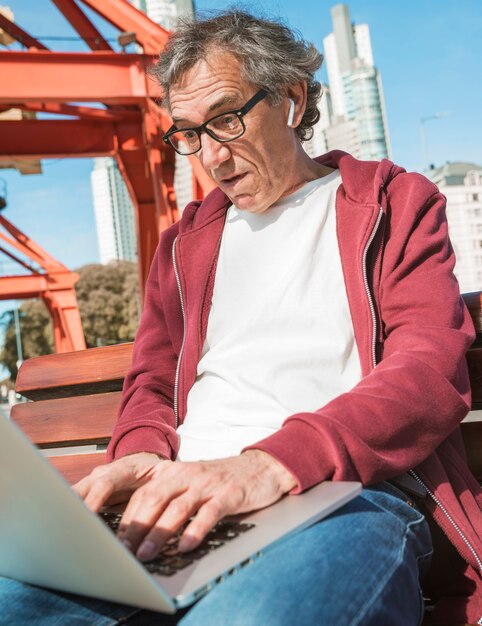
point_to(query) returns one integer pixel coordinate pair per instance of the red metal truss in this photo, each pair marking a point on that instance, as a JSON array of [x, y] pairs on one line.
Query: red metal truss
[[106, 77], [127, 18], [19, 34], [122, 118], [55, 285], [84, 112], [82, 25]]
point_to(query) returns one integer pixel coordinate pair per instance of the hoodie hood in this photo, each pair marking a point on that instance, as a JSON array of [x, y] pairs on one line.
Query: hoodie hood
[[364, 182]]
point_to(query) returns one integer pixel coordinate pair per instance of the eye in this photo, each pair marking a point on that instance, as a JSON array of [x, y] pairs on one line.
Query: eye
[[228, 121], [190, 136]]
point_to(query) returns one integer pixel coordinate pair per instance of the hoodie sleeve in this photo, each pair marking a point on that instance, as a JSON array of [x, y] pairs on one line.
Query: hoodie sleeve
[[146, 420], [398, 414]]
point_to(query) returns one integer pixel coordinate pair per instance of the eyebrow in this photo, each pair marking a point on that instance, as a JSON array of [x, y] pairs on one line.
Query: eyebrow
[[234, 100]]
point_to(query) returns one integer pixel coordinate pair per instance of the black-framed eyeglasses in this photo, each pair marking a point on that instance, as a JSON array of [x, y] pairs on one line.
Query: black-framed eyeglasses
[[223, 128]]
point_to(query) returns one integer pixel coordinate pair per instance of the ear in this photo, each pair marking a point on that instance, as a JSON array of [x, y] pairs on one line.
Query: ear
[[296, 95]]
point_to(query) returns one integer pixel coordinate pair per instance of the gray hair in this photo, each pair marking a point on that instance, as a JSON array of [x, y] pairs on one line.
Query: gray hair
[[272, 56]]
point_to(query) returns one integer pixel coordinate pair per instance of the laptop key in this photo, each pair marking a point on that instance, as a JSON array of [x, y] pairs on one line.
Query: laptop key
[[180, 563], [159, 568], [212, 544], [197, 553]]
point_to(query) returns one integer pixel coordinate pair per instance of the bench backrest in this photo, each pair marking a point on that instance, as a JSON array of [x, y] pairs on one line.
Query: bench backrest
[[76, 397]]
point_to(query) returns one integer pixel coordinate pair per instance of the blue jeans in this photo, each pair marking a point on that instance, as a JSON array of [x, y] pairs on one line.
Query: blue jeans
[[359, 566]]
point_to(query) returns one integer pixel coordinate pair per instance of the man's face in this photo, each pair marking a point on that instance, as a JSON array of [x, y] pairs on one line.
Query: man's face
[[255, 170]]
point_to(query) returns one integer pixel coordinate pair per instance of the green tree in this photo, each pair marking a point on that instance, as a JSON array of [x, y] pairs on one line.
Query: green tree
[[108, 300], [35, 331]]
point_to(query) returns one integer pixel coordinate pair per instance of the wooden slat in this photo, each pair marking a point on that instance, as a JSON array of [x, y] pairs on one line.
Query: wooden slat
[[96, 370], [474, 304], [474, 362], [75, 466], [69, 421], [472, 434]]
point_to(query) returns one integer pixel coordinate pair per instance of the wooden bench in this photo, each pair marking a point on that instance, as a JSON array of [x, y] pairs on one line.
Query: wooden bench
[[76, 396]]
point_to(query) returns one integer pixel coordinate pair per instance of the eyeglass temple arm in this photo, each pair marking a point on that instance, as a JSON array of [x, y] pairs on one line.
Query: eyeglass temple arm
[[254, 100]]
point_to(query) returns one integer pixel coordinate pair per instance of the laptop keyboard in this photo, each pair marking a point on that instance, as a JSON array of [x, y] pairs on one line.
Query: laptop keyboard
[[171, 559]]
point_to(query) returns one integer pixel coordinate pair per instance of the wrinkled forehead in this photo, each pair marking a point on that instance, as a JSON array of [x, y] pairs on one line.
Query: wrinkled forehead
[[218, 62], [217, 79]]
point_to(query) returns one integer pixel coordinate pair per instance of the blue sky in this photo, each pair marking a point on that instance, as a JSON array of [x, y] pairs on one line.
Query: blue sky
[[428, 52]]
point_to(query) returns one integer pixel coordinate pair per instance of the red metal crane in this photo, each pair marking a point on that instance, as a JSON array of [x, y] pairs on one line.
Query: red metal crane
[[54, 285], [122, 118]]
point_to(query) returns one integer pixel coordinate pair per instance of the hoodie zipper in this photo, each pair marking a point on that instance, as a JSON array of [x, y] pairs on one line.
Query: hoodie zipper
[[178, 367], [449, 517], [367, 287], [374, 360]]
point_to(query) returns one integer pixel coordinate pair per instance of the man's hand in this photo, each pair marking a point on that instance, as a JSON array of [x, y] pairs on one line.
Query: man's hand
[[115, 482], [167, 493]]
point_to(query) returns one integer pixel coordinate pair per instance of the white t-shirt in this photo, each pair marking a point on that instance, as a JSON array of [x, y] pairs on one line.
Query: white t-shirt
[[280, 337]]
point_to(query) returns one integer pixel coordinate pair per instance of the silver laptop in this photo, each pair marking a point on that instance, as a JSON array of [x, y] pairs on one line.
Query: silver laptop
[[48, 536]]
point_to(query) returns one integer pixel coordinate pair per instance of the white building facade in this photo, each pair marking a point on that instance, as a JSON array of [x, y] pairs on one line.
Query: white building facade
[[317, 145], [114, 213], [358, 122], [461, 184]]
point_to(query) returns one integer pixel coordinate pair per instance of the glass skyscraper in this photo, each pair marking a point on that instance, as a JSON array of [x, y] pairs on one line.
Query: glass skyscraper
[[358, 121]]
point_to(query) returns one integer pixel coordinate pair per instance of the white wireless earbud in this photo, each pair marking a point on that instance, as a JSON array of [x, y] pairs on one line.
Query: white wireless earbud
[[291, 113]]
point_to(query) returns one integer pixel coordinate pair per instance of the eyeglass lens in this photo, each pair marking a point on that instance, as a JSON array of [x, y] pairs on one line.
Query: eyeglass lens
[[224, 127]]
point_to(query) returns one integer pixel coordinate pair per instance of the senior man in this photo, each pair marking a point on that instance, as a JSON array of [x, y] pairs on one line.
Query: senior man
[[301, 324]]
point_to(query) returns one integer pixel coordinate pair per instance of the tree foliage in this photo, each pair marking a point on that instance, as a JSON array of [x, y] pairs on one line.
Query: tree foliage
[[35, 331], [108, 302]]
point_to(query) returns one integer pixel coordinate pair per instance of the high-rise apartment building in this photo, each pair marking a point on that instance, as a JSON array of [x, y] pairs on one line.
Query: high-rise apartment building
[[461, 184], [358, 121], [114, 212], [318, 145]]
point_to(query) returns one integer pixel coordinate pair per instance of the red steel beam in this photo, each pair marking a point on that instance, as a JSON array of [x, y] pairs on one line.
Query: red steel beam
[[25, 287], [127, 18], [19, 34], [17, 260], [29, 247], [67, 325], [78, 111], [82, 25], [56, 138], [75, 77], [144, 176]]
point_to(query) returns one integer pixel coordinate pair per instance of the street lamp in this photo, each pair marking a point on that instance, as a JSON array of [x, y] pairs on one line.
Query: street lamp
[[423, 135], [3, 194], [18, 337]]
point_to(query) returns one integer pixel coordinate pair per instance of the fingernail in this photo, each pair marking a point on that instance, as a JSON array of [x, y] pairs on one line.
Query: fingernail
[[186, 543], [147, 550], [127, 544]]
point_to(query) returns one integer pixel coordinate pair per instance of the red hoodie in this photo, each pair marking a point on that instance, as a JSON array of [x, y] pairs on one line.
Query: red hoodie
[[412, 331]]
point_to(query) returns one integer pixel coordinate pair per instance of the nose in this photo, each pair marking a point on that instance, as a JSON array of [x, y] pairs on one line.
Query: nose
[[212, 152]]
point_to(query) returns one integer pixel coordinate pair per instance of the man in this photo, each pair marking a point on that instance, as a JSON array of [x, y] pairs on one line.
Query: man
[[301, 324]]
